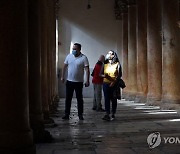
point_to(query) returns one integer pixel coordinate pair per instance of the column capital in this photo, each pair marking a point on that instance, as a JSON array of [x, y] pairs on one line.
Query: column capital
[[131, 2], [121, 6], [57, 7]]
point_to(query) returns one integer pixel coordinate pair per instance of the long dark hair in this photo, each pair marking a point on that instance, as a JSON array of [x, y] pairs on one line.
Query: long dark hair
[[115, 58]]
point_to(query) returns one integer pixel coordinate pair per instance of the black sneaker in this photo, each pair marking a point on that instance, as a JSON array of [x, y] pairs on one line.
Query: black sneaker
[[106, 117], [113, 116], [81, 117], [94, 108], [65, 117], [101, 110]]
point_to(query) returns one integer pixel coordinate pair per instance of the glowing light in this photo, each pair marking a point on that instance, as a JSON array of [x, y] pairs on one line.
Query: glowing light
[[162, 113], [174, 120], [71, 46], [134, 104], [147, 107]]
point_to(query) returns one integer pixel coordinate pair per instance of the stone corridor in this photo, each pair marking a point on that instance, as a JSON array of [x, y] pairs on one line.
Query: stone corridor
[[127, 134]]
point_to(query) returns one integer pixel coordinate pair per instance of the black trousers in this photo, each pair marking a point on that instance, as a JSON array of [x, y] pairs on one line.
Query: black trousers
[[70, 87]]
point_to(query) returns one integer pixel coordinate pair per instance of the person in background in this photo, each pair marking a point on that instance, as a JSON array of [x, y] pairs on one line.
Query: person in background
[[75, 63], [97, 81], [112, 73]]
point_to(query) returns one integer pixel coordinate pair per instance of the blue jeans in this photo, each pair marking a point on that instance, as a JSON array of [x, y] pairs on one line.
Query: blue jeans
[[109, 97], [70, 87]]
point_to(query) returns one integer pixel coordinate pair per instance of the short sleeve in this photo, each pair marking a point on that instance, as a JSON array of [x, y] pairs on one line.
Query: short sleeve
[[86, 62], [66, 59]]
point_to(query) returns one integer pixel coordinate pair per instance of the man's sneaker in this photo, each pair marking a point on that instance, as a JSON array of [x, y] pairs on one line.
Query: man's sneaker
[[81, 117], [106, 117], [65, 117], [94, 108], [113, 116], [101, 110]]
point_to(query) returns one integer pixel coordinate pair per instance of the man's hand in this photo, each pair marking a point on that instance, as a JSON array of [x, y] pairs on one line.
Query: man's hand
[[87, 84], [63, 72], [87, 76]]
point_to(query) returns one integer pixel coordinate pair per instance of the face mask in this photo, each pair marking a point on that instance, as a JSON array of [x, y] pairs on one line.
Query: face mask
[[108, 56], [74, 52]]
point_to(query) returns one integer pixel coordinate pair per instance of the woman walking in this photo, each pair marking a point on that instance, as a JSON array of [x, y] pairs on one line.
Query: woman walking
[[112, 74]]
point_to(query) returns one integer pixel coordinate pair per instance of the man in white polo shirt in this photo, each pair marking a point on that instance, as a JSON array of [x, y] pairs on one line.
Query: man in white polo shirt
[[75, 63]]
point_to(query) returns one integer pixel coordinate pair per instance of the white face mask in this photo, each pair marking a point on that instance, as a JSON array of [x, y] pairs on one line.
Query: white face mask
[[109, 56]]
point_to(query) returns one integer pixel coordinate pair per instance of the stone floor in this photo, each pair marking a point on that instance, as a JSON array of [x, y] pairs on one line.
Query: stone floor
[[127, 134]]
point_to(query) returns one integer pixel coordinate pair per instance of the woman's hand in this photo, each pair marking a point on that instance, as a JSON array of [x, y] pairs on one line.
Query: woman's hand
[[112, 84], [109, 77]]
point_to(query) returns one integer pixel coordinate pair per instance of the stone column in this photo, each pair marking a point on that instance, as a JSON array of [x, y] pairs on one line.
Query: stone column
[[142, 84], [132, 55], [53, 36], [125, 52], [49, 53], [56, 14], [44, 57], [154, 49], [171, 55], [15, 133], [34, 59]]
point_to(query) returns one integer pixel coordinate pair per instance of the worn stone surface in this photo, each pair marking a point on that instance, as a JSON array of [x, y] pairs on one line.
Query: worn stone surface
[[127, 134]]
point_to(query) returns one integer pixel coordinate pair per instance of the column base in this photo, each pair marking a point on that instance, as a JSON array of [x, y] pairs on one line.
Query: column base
[[170, 104], [124, 95], [28, 150], [47, 119], [56, 98], [155, 101], [18, 139], [140, 99], [42, 136], [130, 96], [53, 108]]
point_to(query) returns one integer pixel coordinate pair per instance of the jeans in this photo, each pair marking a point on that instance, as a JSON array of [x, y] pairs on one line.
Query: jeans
[[97, 96], [70, 87], [109, 97]]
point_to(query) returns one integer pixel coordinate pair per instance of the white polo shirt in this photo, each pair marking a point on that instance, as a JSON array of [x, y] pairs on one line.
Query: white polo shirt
[[76, 67]]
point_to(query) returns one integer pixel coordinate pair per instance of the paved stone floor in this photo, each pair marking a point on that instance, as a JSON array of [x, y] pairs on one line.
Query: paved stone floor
[[127, 134]]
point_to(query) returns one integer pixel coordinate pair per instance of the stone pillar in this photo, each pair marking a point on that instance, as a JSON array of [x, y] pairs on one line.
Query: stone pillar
[[125, 52], [142, 84], [44, 57], [15, 133], [53, 36], [171, 55], [50, 57], [154, 49], [56, 14], [34, 59], [132, 55]]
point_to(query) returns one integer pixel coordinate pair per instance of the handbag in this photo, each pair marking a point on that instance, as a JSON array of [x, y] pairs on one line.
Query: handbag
[[121, 83]]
